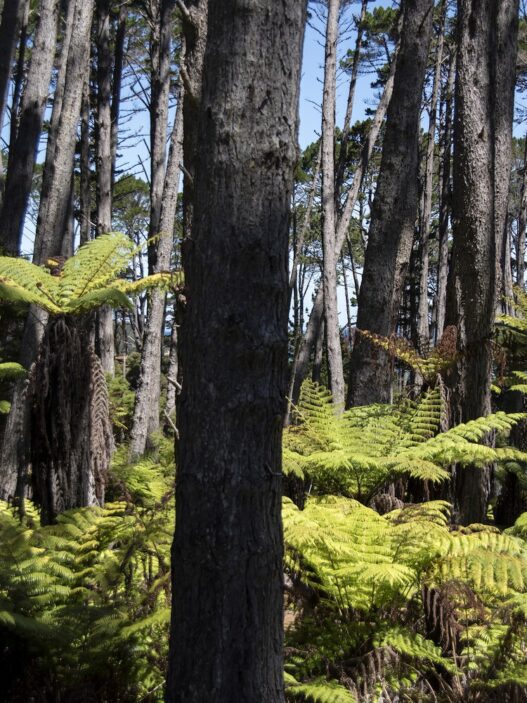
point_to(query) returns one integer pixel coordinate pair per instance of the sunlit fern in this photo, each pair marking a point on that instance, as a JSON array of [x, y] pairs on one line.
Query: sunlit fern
[[360, 451], [87, 280]]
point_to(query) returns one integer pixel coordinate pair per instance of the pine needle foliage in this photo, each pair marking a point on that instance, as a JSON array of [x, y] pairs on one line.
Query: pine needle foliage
[[361, 451]]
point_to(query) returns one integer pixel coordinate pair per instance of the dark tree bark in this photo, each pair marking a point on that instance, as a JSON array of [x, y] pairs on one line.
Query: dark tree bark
[[23, 148], [487, 33], [70, 421], [445, 205], [12, 12], [226, 641], [394, 210]]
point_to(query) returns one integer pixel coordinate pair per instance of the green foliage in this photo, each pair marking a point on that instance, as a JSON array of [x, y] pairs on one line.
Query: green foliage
[[359, 452], [397, 600], [9, 371], [87, 280], [88, 599]]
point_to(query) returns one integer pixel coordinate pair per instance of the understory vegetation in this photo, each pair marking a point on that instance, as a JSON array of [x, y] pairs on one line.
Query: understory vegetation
[[385, 598]]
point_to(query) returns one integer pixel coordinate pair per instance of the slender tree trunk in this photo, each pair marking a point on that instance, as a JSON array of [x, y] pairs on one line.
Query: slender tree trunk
[[301, 363], [23, 148], [487, 33], [85, 173], [118, 62], [173, 370], [329, 273], [229, 490], [146, 411], [346, 129], [394, 211], [522, 225], [104, 172], [59, 163], [12, 15], [446, 202], [423, 327]]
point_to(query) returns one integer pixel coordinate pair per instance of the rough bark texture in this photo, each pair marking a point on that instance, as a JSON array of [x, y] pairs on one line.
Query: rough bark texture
[[394, 210], [487, 34], [9, 28], [23, 149], [226, 642], [54, 201], [71, 431], [446, 203], [329, 272]]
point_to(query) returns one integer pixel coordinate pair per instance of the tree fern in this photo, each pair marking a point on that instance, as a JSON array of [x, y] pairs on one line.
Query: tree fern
[[362, 450], [88, 280]]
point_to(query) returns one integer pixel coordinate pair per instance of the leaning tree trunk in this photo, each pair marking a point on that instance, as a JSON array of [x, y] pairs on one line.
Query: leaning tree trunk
[[22, 152], [329, 271], [301, 362], [227, 632], [71, 431], [522, 225], [394, 211], [487, 33]]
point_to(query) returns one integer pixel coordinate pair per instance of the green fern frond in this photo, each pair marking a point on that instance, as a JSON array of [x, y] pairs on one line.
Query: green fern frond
[[318, 691]]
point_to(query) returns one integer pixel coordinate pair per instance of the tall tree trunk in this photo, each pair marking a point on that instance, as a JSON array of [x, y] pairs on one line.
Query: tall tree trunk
[[22, 151], [146, 411], [423, 327], [104, 172], [228, 495], [12, 14], [59, 164], [445, 205], [164, 182], [301, 362], [85, 203], [487, 33], [394, 210], [118, 63], [329, 272], [522, 225]]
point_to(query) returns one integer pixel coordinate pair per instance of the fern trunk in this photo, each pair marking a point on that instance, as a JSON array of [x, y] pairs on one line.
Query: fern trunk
[[227, 629], [70, 427]]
